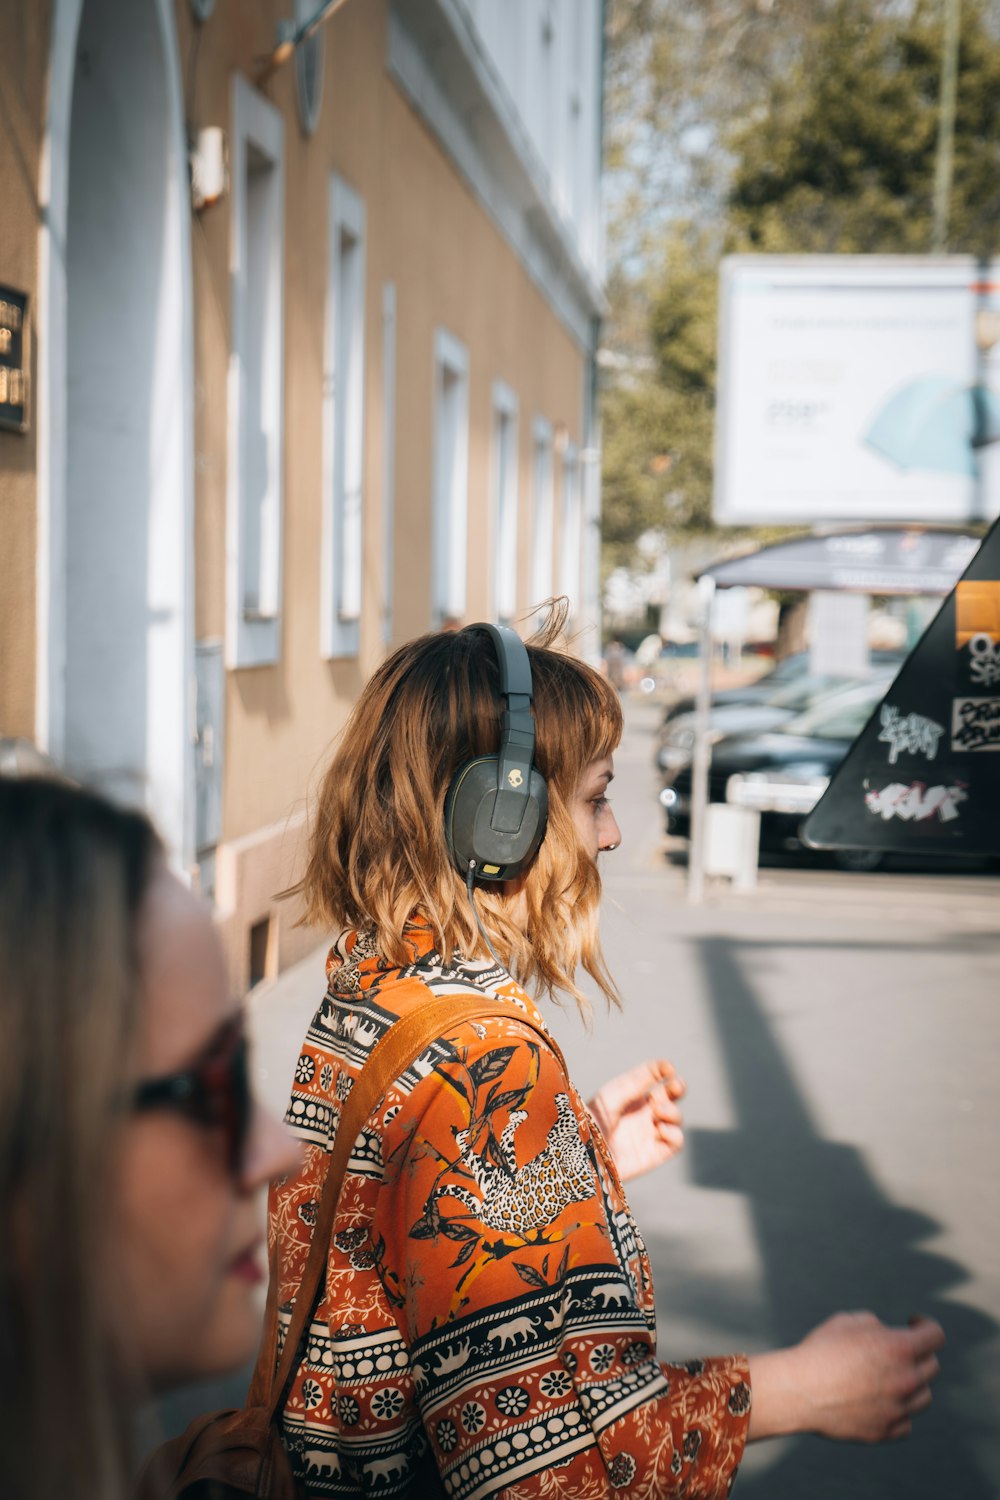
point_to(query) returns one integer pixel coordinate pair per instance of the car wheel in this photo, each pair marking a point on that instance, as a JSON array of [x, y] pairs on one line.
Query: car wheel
[[859, 860]]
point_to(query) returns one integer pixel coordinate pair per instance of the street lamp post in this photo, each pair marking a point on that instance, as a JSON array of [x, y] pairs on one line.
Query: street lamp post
[[946, 124], [702, 748]]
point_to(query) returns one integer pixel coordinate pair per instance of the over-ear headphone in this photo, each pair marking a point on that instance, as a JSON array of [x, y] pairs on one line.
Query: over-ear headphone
[[496, 807]]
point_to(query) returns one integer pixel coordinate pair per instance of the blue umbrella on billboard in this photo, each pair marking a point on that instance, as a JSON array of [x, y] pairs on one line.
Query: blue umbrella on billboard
[[935, 423]]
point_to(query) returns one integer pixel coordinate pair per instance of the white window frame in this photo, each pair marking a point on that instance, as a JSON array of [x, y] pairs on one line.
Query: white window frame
[[449, 562], [256, 385], [503, 503], [342, 545], [571, 528], [388, 457], [542, 503]]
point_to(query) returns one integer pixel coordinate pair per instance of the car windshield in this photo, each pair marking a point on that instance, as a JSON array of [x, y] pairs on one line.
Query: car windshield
[[788, 668], [680, 648], [841, 715], [803, 691]]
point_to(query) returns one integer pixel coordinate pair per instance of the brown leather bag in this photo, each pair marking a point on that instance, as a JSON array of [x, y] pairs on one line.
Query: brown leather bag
[[228, 1454]]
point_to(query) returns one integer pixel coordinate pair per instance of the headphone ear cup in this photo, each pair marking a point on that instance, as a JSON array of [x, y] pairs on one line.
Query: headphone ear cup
[[538, 797], [468, 832], [473, 781]]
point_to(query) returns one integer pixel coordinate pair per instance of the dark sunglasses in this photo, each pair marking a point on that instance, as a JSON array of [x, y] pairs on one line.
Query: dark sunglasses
[[214, 1094]]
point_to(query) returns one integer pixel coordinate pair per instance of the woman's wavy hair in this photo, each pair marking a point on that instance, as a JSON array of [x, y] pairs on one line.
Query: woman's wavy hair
[[377, 852], [73, 873]]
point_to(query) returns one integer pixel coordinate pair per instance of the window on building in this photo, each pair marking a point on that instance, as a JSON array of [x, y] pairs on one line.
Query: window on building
[[451, 478], [541, 499], [548, 90], [344, 414], [570, 528], [253, 633], [504, 503]]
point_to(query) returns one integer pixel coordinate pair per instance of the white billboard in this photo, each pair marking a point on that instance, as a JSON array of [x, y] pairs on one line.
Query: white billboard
[[857, 387]]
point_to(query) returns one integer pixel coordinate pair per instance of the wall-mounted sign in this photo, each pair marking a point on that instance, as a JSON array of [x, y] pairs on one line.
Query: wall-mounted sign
[[13, 379]]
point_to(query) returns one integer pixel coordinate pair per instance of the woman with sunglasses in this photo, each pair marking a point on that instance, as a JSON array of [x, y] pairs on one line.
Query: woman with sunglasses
[[487, 1325], [130, 1148]]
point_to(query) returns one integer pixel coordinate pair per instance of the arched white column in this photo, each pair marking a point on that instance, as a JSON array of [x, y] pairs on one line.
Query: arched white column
[[147, 729]]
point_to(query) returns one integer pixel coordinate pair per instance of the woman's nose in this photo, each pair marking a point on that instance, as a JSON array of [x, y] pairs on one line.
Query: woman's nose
[[611, 834]]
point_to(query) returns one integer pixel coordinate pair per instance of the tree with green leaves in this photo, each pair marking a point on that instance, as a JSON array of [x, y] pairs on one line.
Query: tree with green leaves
[[786, 127], [658, 416], [843, 158]]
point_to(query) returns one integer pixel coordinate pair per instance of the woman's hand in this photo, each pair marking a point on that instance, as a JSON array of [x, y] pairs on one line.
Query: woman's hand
[[852, 1378], [638, 1115]]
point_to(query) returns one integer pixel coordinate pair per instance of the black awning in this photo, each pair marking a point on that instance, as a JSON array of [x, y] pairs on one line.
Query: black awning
[[882, 560]]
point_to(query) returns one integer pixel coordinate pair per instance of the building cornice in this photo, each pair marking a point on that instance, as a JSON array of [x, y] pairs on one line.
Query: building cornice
[[437, 59]]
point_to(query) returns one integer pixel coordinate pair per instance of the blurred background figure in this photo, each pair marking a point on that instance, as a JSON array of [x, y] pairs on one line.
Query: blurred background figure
[[614, 658], [130, 1147]]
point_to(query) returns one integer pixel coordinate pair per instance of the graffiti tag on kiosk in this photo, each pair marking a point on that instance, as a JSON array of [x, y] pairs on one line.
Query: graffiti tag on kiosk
[[975, 724], [912, 733], [984, 660], [916, 802]]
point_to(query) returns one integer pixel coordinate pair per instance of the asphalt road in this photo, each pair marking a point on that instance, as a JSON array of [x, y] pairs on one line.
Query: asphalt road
[[840, 1037]]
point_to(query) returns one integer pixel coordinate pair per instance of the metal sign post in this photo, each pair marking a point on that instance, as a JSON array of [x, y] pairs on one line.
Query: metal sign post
[[702, 748]]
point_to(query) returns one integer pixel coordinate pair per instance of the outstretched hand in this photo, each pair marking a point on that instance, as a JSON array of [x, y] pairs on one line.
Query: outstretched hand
[[638, 1115], [852, 1378]]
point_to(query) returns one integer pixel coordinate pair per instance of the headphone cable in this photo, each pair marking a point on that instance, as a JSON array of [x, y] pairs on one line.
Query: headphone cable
[[470, 877]]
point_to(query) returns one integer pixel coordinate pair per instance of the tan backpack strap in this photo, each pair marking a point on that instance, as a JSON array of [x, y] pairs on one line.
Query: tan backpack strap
[[392, 1054], [267, 1351]]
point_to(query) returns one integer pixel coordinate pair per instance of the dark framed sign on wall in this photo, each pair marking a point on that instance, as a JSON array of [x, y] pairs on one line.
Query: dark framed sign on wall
[[13, 376]]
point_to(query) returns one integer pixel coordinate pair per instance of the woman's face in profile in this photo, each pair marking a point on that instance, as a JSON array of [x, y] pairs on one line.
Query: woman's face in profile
[[187, 1253], [592, 814]]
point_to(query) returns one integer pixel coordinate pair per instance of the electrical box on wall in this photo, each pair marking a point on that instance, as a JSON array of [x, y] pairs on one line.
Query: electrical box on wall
[[207, 162]]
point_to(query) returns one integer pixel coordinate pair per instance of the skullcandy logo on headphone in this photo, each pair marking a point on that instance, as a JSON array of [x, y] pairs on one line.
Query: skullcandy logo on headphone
[[514, 778]]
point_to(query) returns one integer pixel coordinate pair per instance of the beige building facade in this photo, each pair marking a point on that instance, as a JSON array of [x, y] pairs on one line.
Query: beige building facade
[[309, 352]]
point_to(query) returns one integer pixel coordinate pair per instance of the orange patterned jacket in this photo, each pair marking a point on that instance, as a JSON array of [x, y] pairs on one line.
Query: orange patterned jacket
[[487, 1327]]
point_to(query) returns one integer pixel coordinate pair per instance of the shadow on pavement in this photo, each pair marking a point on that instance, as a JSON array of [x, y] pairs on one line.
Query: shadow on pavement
[[829, 1239]]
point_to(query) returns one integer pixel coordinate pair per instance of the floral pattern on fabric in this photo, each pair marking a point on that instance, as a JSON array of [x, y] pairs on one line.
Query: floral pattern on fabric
[[487, 1326]]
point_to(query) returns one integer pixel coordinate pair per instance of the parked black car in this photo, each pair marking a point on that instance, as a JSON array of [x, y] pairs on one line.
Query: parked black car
[[675, 739], [783, 773], [762, 689]]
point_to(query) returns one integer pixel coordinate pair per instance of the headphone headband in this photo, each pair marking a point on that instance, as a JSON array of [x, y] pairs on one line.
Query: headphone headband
[[517, 736], [497, 805], [512, 656]]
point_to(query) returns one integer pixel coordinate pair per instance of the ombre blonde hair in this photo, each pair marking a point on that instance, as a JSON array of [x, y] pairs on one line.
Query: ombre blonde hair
[[377, 851]]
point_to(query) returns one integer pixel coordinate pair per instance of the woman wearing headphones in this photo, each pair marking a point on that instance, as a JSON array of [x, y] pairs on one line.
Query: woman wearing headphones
[[487, 1325]]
